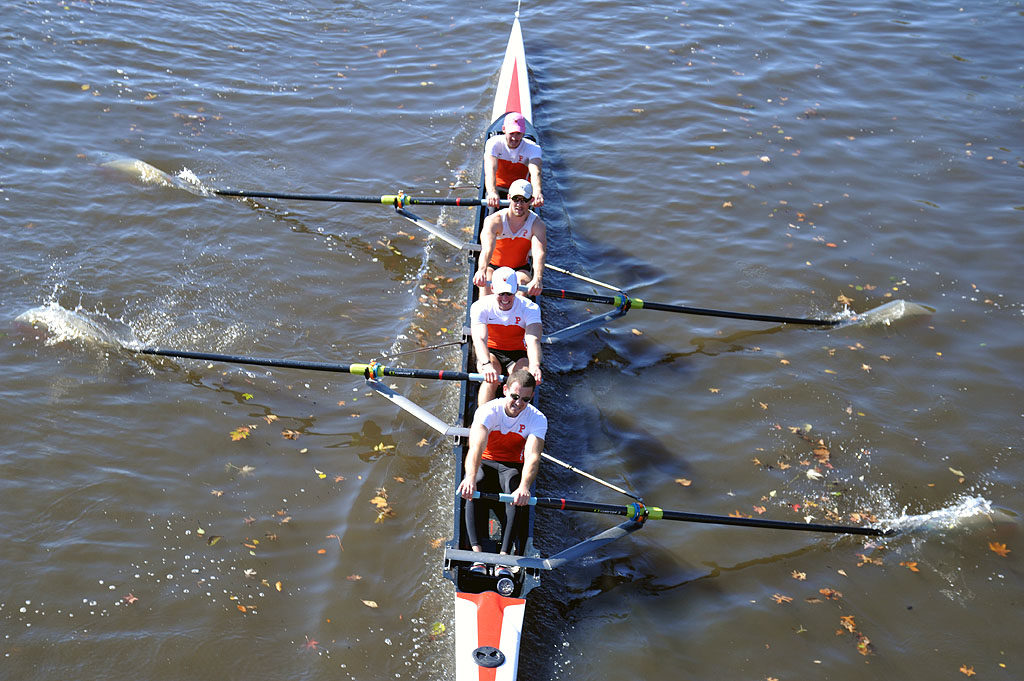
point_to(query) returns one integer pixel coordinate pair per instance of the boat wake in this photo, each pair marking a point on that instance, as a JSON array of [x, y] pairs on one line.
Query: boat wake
[[886, 314], [59, 325], [148, 174]]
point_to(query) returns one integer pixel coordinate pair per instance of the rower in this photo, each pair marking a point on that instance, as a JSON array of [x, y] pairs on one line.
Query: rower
[[509, 157], [506, 331], [505, 445], [509, 237]]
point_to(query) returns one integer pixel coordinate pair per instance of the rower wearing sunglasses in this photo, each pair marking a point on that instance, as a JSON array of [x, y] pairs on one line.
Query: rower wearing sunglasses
[[505, 445], [509, 237], [506, 331]]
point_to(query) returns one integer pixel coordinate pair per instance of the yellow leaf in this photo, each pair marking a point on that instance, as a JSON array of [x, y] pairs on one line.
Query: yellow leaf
[[956, 472], [967, 671], [370, 604], [320, 474], [684, 482], [213, 539], [277, 585]]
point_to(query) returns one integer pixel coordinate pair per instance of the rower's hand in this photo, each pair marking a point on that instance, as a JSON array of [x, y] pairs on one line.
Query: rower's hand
[[521, 497], [467, 487], [534, 287], [538, 199], [536, 374], [480, 278], [492, 199], [490, 372]]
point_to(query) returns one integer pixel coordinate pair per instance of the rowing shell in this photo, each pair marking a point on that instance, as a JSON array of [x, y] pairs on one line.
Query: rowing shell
[[488, 611]]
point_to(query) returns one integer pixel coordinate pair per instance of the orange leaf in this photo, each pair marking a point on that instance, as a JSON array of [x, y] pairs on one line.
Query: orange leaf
[[999, 548], [241, 608], [847, 623], [967, 671], [779, 598], [912, 566], [321, 551], [354, 578]]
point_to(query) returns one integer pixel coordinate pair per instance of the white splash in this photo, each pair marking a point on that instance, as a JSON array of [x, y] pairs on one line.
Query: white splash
[[888, 313], [969, 511], [61, 325], [149, 174]]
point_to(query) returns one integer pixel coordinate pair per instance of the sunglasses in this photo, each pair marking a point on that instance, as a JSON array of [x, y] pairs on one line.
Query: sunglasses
[[515, 397], [519, 199]]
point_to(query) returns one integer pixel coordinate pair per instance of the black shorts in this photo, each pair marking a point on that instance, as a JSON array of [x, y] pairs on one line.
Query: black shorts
[[507, 358], [527, 268]]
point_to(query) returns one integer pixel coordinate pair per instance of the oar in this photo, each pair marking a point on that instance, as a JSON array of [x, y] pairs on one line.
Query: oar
[[639, 511], [364, 370], [634, 303], [387, 199]]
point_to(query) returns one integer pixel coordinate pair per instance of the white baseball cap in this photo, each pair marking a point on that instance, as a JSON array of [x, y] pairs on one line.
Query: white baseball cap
[[504, 280], [521, 188]]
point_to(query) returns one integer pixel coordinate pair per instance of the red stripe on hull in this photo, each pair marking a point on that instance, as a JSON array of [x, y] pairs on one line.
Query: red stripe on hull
[[513, 103]]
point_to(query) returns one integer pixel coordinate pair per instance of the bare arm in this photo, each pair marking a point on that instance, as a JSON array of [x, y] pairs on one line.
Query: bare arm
[[539, 249], [533, 351], [490, 171], [477, 438], [484, 365], [488, 237], [531, 462], [538, 195]]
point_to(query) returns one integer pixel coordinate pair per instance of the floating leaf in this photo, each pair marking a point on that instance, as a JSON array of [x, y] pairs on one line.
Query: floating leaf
[[999, 548], [956, 472], [813, 474], [684, 482], [320, 474], [270, 418], [779, 598], [912, 566], [217, 492], [370, 604], [239, 433], [289, 434], [213, 539], [847, 622], [967, 671], [437, 628], [799, 576], [247, 396], [277, 585], [354, 578], [830, 594], [422, 443]]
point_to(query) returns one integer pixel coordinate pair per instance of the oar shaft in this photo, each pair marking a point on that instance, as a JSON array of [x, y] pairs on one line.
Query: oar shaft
[[635, 303], [387, 199], [633, 511], [364, 370]]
